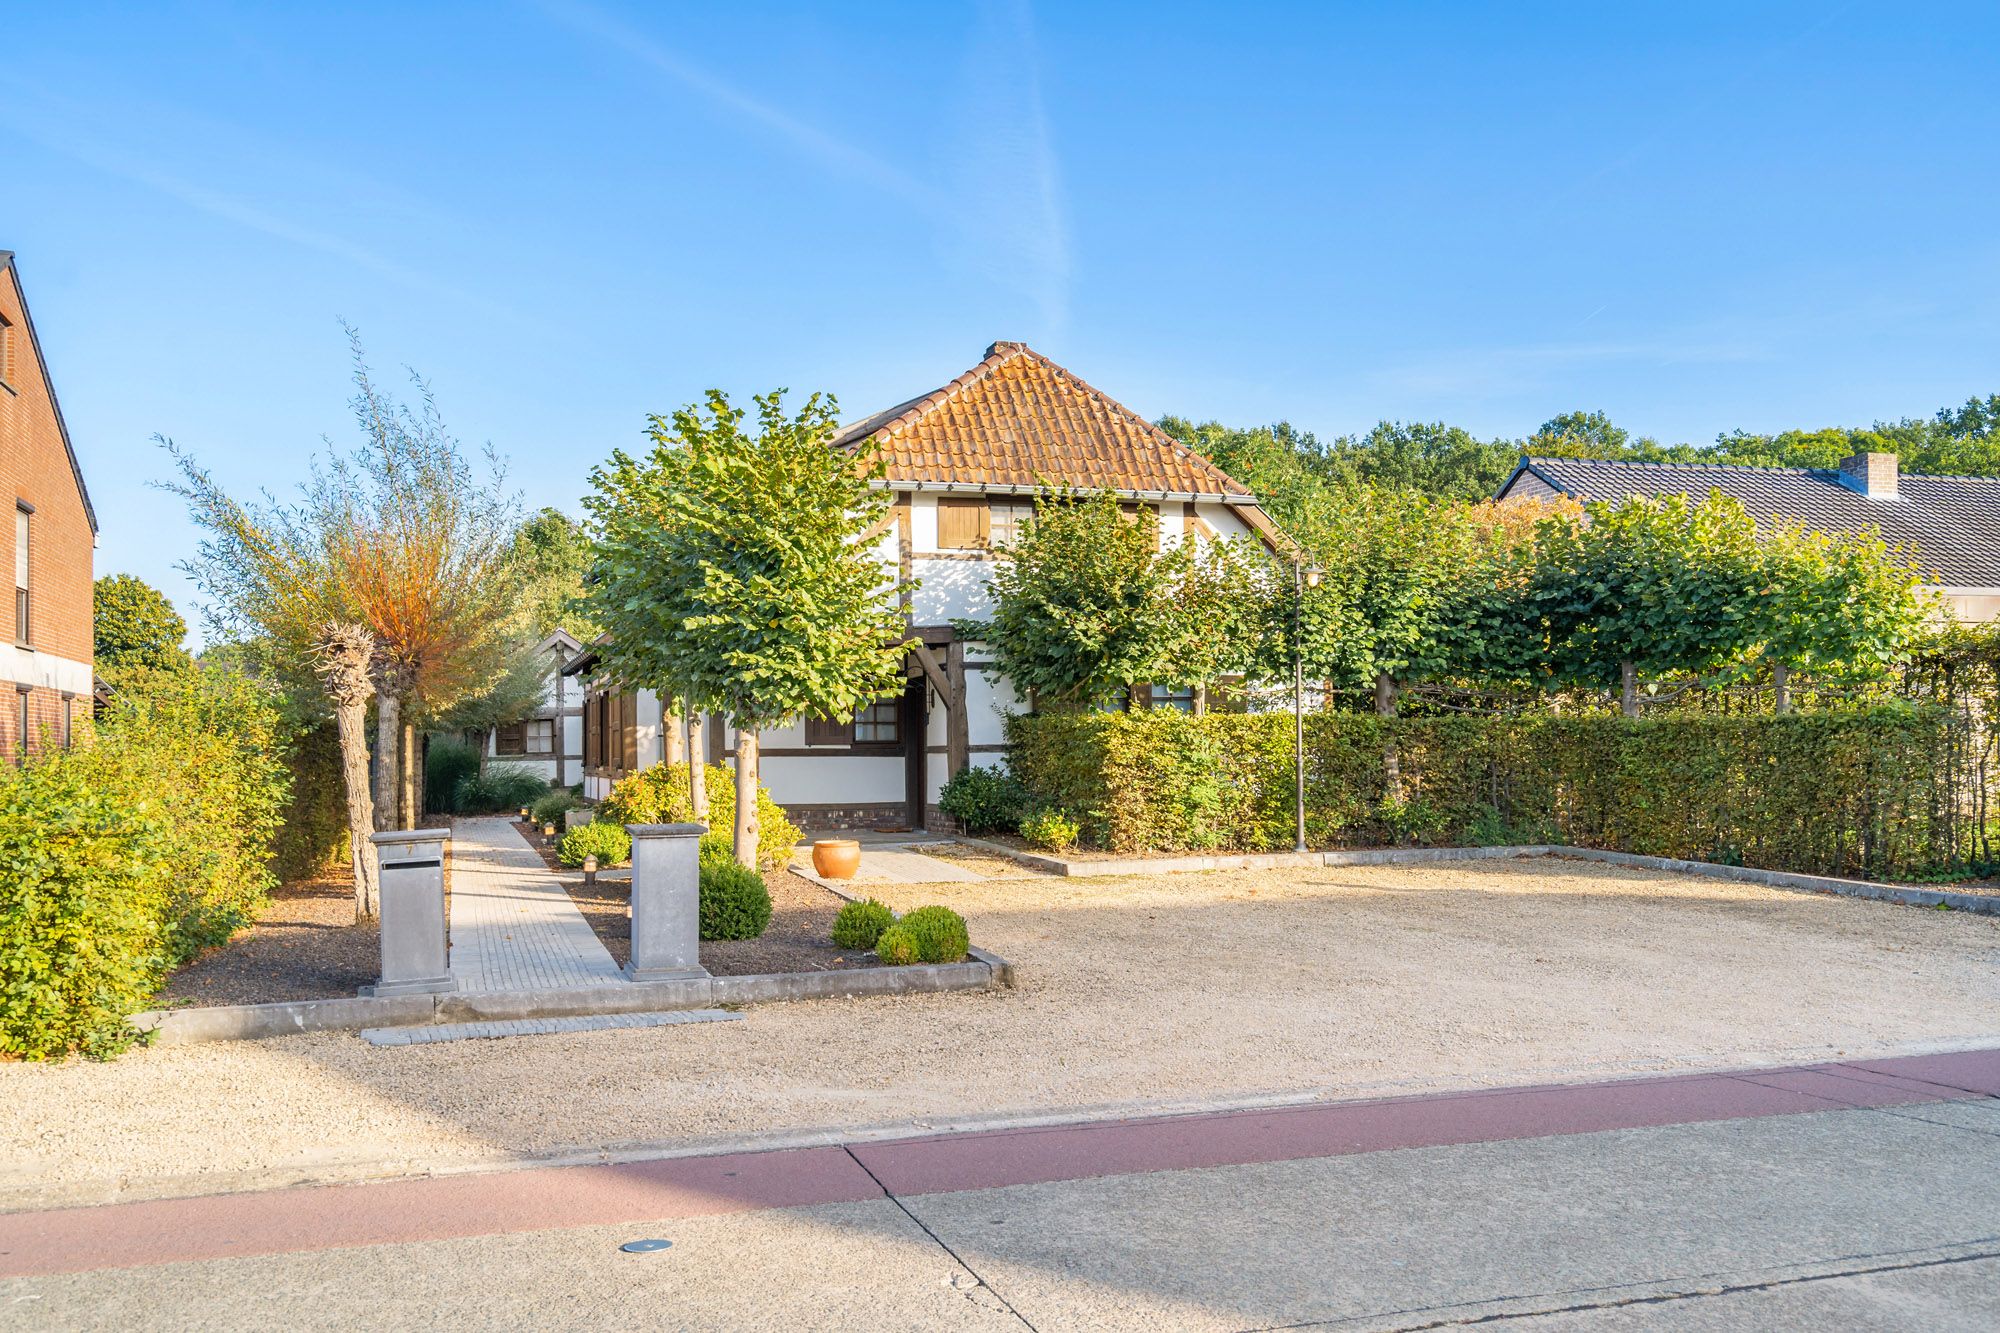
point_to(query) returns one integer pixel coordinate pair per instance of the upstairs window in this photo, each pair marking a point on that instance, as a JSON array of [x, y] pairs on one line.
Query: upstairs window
[[962, 523], [23, 603], [1008, 519]]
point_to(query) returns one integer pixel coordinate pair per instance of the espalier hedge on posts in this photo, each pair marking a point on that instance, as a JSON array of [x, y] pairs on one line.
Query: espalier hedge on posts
[[1880, 792]]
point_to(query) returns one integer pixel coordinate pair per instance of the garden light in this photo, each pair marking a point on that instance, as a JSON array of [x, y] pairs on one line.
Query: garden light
[[590, 869]]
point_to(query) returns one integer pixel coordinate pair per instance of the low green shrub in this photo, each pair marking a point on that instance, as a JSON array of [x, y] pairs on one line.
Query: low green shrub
[[610, 844], [859, 925], [735, 905], [984, 800], [133, 852], [1052, 829], [715, 845], [448, 761], [496, 788], [896, 947], [551, 808], [939, 933], [659, 795]]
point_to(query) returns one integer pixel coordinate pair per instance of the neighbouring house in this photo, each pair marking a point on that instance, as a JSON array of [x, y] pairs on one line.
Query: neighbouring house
[[964, 463], [1952, 523], [53, 536], [549, 741]]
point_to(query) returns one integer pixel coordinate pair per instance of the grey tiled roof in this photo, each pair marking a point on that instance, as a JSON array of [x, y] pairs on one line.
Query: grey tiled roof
[[1952, 522]]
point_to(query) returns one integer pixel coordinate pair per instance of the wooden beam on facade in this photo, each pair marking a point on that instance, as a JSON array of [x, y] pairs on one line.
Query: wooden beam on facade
[[957, 727], [934, 669]]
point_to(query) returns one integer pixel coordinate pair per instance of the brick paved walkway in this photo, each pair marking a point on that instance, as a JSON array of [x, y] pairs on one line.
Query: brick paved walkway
[[512, 926]]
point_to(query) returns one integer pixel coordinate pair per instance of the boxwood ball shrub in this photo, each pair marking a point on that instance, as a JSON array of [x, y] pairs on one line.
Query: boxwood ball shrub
[[939, 934], [897, 947], [984, 800], [1052, 829], [610, 844], [859, 925], [735, 905]]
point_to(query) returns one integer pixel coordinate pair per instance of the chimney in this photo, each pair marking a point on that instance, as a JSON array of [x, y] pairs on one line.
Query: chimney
[[1874, 475]]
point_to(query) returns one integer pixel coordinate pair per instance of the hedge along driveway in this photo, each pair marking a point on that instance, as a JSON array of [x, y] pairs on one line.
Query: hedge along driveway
[[1885, 792]]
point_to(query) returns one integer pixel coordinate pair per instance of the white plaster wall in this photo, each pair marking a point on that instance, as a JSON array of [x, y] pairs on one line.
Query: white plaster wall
[[832, 778], [990, 697], [572, 738], [40, 670], [650, 749], [950, 589], [1224, 520]]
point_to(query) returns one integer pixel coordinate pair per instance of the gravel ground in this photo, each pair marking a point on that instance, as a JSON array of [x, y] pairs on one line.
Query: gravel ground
[[796, 940], [304, 946], [1163, 990]]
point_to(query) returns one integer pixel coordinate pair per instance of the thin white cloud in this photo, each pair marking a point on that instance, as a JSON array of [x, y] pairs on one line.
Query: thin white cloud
[[1001, 214], [64, 126]]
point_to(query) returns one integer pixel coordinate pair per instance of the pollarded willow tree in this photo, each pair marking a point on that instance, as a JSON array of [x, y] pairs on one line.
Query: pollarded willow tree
[[273, 573], [732, 572]]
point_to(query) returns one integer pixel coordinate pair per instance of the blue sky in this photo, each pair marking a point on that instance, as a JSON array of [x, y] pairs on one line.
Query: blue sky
[[568, 215]]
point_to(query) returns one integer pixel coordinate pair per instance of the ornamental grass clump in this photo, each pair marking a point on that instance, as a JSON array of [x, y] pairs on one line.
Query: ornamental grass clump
[[610, 844], [860, 925], [735, 905], [551, 808], [938, 932], [499, 787]]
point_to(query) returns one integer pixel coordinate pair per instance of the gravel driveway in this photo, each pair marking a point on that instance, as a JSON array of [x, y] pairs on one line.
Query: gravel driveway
[[1166, 991]]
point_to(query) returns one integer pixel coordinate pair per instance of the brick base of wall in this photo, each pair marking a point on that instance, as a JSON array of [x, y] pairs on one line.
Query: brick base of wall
[[849, 818]]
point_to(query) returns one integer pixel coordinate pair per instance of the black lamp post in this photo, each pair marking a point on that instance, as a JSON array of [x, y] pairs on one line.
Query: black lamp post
[[1303, 576]]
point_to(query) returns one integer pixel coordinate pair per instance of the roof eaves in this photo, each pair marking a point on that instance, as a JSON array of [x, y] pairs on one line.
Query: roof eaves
[[48, 383]]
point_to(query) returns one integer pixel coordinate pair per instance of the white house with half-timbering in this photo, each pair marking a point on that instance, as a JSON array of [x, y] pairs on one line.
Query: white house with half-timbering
[[964, 463]]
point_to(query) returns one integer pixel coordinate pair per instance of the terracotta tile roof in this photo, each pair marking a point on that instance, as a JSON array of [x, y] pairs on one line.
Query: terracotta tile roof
[[1019, 419], [1952, 522]]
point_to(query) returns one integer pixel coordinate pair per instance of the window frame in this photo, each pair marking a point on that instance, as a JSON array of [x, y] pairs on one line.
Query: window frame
[[24, 574], [532, 729]]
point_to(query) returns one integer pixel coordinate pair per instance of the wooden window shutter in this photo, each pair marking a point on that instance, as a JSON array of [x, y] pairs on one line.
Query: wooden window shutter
[[963, 523], [826, 731], [589, 731], [630, 710], [510, 739]]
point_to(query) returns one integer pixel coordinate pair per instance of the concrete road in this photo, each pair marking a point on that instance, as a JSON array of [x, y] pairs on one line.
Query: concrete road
[[1836, 1197]]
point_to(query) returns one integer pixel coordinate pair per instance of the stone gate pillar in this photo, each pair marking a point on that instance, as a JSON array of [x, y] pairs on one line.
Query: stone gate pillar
[[415, 960], [666, 902]]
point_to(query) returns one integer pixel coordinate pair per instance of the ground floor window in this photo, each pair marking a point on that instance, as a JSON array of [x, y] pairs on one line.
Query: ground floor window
[[541, 736], [880, 723]]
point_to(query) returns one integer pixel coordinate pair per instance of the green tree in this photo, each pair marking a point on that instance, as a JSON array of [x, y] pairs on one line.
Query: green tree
[[551, 554], [731, 572], [1843, 604], [1647, 588], [1087, 605], [135, 627]]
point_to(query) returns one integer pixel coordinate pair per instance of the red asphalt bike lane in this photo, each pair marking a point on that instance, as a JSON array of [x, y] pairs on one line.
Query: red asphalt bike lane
[[126, 1235]]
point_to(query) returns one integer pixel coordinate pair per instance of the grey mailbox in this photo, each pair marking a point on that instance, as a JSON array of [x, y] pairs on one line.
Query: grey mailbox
[[666, 902], [415, 957]]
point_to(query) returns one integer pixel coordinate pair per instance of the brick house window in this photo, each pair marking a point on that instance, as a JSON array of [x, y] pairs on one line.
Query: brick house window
[[23, 603]]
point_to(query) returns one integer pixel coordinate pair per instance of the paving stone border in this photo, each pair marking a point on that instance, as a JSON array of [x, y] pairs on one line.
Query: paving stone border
[[1984, 904], [240, 1022]]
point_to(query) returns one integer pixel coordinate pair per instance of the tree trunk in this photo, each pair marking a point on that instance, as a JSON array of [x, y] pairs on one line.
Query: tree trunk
[[697, 762], [1392, 758], [412, 806], [1781, 686], [1628, 690], [673, 735], [388, 746], [342, 660], [746, 795]]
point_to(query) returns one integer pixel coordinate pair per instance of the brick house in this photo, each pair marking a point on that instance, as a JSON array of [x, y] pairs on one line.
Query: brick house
[[51, 540], [964, 464], [1952, 523]]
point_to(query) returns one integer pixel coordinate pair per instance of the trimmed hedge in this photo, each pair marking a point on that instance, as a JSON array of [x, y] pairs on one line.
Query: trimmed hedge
[[1882, 792]]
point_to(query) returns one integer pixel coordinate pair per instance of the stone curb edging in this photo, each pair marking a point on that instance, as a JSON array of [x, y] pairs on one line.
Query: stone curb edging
[[1983, 904], [243, 1022]]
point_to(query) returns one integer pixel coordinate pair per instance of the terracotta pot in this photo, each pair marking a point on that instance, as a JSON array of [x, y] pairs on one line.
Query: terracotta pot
[[836, 858]]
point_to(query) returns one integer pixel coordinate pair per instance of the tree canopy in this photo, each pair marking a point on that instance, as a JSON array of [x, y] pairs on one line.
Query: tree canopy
[[134, 627]]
